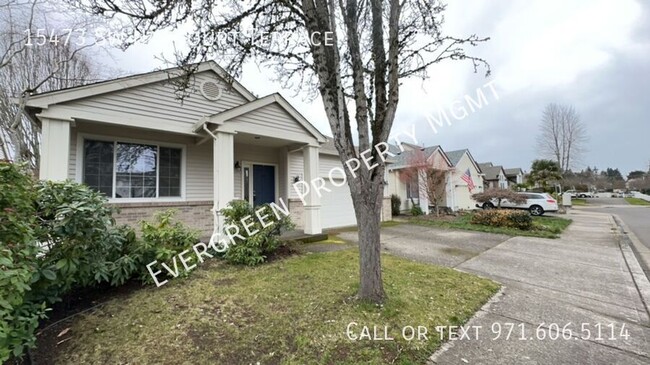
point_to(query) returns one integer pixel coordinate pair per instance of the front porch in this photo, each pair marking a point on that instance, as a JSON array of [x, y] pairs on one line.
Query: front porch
[[261, 170]]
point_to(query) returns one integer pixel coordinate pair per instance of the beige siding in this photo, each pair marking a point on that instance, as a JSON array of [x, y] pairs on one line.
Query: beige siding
[[397, 187], [198, 159], [295, 169], [462, 196], [266, 120], [159, 101]]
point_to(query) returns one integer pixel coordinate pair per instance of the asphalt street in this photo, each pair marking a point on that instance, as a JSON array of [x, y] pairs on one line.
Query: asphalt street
[[637, 218]]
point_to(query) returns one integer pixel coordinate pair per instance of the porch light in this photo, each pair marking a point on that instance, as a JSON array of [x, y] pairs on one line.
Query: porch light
[[237, 165]]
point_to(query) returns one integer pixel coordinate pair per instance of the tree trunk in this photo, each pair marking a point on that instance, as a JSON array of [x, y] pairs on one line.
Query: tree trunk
[[368, 212]]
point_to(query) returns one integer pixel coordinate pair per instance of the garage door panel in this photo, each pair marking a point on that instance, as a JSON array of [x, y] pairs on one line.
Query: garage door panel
[[337, 209]]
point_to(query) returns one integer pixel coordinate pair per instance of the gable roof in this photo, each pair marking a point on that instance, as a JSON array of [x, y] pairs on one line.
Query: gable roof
[[402, 159], [456, 156], [491, 172], [220, 118], [43, 100], [485, 165], [513, 172]]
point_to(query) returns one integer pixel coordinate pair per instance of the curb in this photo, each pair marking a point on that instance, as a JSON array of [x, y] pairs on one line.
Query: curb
[[480, 313], [637, 257]]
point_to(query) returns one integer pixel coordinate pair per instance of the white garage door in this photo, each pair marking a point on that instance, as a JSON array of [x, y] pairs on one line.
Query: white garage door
[[336, 206]]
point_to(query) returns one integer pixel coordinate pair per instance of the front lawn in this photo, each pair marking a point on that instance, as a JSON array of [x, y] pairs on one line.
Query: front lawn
[[544, 226], [637, 201], [291, 311], [579, 201]]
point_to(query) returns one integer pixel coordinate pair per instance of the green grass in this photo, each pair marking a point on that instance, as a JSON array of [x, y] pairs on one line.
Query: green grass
[[545, 227], [291, 311], [333, 239], [390, 224], [637, 201], [578, 201]]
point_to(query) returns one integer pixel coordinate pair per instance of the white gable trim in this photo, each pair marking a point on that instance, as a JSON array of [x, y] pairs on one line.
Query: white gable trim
[[222, 117], [471, 158], [55, 97], [444, 155]]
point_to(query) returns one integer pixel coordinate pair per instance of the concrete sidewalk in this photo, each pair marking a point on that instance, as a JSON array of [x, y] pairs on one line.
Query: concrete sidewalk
[[586, 282]]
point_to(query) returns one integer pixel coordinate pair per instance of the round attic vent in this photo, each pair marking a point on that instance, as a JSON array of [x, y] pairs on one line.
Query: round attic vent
[[211, 90]]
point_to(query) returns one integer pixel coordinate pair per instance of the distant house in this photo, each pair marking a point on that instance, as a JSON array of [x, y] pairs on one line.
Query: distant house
[[493, 176], [413, 191], [463, 177], [466, 179], [515, 176]]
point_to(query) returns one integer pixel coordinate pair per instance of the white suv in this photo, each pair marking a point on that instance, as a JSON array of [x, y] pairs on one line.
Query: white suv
[[536, 203]]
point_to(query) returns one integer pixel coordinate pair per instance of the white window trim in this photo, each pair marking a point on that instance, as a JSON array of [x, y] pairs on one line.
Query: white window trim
[[81, 137]]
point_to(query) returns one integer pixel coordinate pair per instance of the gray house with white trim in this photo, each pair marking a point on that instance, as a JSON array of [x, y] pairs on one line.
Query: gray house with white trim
[[134, 140]]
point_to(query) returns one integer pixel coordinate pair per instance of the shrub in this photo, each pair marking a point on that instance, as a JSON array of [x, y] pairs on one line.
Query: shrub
[[395, 204], [416, 210], [504, 218], [498, 195], [84, 246], [161, 240], [19, 314], [255, 248]]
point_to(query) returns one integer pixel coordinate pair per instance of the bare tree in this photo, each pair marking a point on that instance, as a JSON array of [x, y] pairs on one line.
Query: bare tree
[[429, 174], [563, 135], [27, 66], [353, 52]]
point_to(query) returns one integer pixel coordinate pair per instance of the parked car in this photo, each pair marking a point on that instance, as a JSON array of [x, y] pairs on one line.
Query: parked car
[[536, 203], [579, 194]]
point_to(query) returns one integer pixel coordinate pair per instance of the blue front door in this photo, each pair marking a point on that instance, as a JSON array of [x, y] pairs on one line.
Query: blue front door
[[263, 184]]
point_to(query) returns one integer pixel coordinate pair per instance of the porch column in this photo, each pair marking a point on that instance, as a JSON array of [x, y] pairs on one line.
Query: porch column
[[312, 200], [423, 195], [55, 149], [224, 175]]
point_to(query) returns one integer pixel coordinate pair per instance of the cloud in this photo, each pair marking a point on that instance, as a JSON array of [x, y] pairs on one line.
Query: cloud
[[592, 54]]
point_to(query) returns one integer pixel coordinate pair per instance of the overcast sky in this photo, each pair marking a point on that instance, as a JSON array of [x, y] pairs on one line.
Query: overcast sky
[[592, 54]]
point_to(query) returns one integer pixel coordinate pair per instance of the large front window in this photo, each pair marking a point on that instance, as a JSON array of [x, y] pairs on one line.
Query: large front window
[[132, 170]]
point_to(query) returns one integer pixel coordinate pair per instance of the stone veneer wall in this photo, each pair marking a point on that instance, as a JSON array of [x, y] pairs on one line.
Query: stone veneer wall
[[195, 214], [198, 214], [296, 210]]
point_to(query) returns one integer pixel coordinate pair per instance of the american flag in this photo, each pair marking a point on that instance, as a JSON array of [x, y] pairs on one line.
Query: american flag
[[467, 177]]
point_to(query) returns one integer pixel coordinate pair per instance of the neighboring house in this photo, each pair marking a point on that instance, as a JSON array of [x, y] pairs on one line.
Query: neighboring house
[[413, 191], [514, 176], [493, 176], [132, 139], [466, 179]]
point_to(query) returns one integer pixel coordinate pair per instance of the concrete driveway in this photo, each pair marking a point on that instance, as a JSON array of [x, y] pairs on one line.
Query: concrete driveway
[[433, 245], [584, 282]]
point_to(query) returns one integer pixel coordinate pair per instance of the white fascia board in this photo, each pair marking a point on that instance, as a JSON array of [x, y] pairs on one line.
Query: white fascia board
[[62, 96]]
